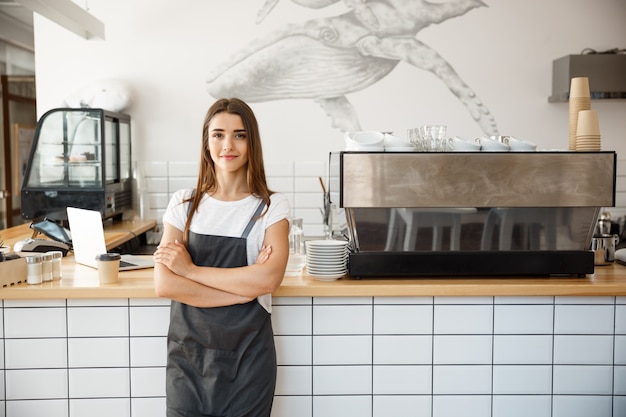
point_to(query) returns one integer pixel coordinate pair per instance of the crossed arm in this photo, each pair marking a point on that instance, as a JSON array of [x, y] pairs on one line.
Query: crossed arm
[[178, 278]]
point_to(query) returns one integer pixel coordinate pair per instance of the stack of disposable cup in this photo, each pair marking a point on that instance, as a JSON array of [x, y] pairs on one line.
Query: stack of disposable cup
[[588, 131], [579, 99]]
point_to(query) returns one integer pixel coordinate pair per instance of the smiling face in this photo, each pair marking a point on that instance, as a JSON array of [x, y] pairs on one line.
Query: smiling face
[[228, 143]]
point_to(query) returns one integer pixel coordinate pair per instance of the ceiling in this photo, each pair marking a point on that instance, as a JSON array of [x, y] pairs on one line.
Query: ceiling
[[16, 25], [17, 45]]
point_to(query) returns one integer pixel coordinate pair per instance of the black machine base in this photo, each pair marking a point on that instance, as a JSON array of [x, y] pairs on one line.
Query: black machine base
[[470, 263]]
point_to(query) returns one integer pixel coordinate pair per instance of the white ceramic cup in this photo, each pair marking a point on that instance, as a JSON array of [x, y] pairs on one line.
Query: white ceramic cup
[[391, 141], [459, 144], [369, 138], [493, 144], [108, 267], [520, 145], [365, 141]]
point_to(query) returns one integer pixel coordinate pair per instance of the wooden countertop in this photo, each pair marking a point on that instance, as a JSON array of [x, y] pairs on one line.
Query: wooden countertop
[[115, 233], [82, 282]]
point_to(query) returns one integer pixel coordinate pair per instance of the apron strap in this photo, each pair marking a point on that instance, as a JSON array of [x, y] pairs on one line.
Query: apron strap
[[250, 224], [253, 220]]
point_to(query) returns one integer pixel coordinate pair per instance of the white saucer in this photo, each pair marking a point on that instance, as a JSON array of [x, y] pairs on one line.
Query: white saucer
[[326, 242], [327, 278], [329, 255], [326, 271]]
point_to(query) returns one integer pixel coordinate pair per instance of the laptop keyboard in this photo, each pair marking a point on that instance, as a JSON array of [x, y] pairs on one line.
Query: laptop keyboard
[[125, 263]]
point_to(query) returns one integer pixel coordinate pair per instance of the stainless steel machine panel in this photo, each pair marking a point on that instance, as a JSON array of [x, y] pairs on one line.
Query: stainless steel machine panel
[[478, 179]]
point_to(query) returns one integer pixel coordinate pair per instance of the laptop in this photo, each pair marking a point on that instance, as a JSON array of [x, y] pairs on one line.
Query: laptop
[[88, 240]]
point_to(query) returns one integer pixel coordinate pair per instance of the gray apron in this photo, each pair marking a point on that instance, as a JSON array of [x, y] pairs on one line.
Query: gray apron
[[221, 361]]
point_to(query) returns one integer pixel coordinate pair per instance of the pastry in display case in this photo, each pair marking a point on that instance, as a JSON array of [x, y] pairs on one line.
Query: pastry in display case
[[80, 157]]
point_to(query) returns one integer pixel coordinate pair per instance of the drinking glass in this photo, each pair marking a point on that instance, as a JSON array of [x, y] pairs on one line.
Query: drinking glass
[[297, 256], [413, 137], [432, 138]]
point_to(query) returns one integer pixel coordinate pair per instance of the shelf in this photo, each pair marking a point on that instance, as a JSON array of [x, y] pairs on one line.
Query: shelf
[[564, 97], [606, 73], [95, 164]]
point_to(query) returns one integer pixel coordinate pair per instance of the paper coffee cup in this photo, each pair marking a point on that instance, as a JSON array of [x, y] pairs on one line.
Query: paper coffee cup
[[588, 124], [579, 87], [108, 267]]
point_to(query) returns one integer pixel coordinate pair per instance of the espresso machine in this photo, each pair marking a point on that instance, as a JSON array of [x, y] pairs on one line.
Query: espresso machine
[[418, 214]]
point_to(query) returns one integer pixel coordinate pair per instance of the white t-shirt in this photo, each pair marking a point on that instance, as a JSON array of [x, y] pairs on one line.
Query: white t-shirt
[[229, 218]]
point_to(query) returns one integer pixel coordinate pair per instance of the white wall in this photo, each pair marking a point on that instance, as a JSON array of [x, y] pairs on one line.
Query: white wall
[[164, 51]]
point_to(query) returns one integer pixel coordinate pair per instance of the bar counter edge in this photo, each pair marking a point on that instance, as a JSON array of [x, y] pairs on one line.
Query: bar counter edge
[[82, 282]]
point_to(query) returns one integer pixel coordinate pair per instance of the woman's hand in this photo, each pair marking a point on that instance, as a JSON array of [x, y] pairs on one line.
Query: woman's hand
[[175, 257], [264, 254]]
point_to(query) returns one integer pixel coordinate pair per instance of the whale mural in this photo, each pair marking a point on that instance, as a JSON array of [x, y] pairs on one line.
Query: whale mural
[[325, 59]]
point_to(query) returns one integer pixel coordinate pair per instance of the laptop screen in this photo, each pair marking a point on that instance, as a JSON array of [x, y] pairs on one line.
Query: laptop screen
[[87, 235]]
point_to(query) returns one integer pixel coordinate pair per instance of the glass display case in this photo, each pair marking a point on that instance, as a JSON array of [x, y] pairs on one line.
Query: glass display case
[[79, 158]]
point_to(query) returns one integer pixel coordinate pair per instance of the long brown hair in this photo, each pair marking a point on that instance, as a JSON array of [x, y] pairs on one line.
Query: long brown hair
[[207, 180]]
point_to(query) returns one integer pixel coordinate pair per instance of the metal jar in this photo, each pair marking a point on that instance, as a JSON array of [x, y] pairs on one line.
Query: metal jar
[[603, 247]]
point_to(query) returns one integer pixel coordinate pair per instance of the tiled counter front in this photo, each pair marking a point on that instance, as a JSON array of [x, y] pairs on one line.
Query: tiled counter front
[[80, 358], [338, 357]]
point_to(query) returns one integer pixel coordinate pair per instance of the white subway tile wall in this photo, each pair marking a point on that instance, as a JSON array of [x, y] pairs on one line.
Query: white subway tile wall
[[160, 179], [620, 191], [337, 356]]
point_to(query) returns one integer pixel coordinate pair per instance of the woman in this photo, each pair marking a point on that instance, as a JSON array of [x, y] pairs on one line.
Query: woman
[[223, 252]]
